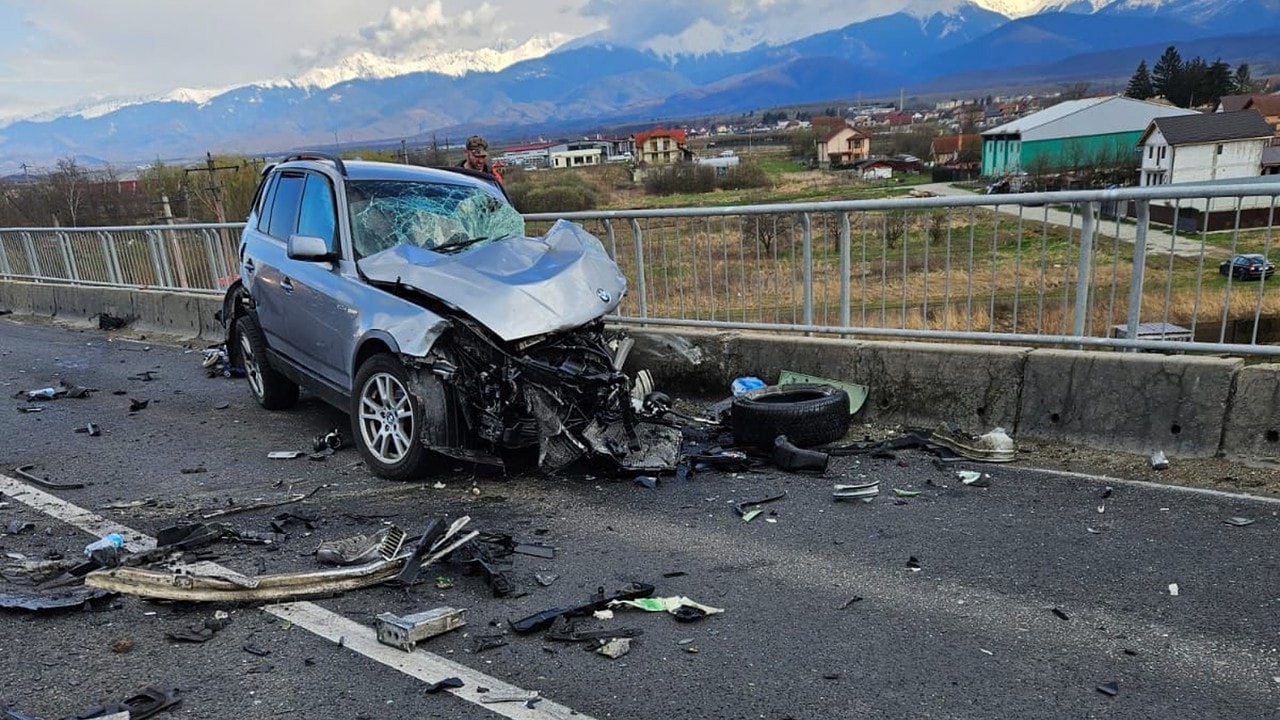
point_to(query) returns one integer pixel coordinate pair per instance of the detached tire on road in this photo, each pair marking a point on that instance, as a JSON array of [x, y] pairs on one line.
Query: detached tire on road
[[808, 414]]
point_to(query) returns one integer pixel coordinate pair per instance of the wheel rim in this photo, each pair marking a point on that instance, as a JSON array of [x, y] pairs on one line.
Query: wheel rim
[[386, 418], [251, 369]]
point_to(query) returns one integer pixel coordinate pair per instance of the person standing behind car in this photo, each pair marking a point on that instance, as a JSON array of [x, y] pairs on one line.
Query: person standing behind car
[[476, 156]]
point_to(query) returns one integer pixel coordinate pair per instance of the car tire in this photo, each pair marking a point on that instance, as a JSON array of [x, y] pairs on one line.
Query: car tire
[[808, 414], [272, 390], [387, 420]]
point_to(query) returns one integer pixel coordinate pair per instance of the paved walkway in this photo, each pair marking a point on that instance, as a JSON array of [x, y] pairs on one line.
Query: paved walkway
[[1158, 241]]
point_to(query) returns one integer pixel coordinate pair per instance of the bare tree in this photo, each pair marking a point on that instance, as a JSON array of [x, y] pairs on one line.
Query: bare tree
[[70, 185]]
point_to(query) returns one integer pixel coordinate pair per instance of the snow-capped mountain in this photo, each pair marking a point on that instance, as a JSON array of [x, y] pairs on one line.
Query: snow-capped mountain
[[549, 86]]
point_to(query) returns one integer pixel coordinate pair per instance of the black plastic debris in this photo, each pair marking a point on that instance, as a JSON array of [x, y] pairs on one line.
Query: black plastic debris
[[21, 472], [565, 630], [136, 405], [188, 537], [202, 632], [1106, 493], [92, 430], [647, 481], [138, 706], [598, 601], [1110, 689], [481, 643], [255, 650], [787, 456], [445, 684], [676, 574], [1239, 521], [107, 321], [331, 440], [749, 509], [77, 597], [850, 602], [222, 405], [688, 614], [1060, 615], [145, 376], [913, 563]]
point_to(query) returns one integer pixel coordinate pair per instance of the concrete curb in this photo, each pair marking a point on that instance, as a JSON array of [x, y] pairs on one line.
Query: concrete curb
[[183, 315]]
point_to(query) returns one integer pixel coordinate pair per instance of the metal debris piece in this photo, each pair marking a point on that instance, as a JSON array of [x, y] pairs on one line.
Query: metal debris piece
[[284, 454], [384, 544], [1110, 689], [92, 430], [222, 405], [1239, 521], [849, 602], [503, 697], [17, 527], [30, 409], [199, 633], [1059, 614], [70, 598], [445, 684], [136, 405], [262, 505], [255, 650], [598, 601], [406, 632], [615, 648], [545, 580], [647, 481], [140, 705], [331, 440], [865, 491], [913, 564], [900, 492], [995, 446], [1159, 461], [21, 471], [857, 393], [488, 642]]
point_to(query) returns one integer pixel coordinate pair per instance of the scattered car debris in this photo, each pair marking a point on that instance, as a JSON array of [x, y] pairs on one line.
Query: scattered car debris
[[106, 550], [973, 478], [1059, 614], [449, 683], [145, 376], [913, 564], [615, 648], [1106, 493], [545, 580], [106, 321], [383, 545], [1159, 461], [857, 393], [30, 409], [1239, 521], [60, 600], [523, 696], [847, 603], [864, 491], [787, 456], [647, 481], [406, 632], [122, 646], [201, 632], [17, 527], [749, 509], [21, 471], [331, 440], [138, 405], [1110, 689], [994, 446], [92, 430], [672, 605], [285, 454], [262, 505], [598, 601], [902, 492], [1173, 589], [255, 650], [488, 641], [223, 405]]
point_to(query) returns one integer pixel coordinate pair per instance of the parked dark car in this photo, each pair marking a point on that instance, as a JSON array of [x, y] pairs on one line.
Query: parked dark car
[[1247, 267]]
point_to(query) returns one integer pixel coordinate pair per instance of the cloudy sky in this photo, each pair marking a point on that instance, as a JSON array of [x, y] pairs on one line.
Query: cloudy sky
[[56, 53]]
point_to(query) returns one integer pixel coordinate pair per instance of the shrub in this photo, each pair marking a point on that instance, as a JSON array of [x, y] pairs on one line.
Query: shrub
[[745, 177], [551, 191], [682, 178]]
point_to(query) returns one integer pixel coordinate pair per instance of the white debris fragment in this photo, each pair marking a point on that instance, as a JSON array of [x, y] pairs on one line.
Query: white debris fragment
[[1173, 589]]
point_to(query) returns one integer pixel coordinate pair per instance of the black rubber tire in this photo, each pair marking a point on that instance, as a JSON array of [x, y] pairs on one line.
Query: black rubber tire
[[273, 391], [413, 464], [808, 414]]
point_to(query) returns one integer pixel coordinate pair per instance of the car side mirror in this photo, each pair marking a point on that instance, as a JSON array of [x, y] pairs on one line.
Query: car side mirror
[[308, 247]]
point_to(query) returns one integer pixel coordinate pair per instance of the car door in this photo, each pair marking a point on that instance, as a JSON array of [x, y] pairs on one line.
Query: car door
[[267, 262], [320, 295]]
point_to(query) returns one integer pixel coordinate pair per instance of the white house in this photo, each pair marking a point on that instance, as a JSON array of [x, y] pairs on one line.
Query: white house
[[1203, 147]]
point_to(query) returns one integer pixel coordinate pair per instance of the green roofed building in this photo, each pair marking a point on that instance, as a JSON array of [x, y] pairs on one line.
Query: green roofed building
[[1071, 134]]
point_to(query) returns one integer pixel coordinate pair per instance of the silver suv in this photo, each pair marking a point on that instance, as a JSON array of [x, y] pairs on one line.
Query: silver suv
[[412, 299]]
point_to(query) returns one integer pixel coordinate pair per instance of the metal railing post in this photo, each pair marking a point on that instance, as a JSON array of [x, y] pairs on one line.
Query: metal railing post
[[1084, 269], [637, 237], [214, 273], [111, 258], [5, 269], [155, 247], [33, 260], [69, 257], [806, 244], [1139, 270], [845, 290]]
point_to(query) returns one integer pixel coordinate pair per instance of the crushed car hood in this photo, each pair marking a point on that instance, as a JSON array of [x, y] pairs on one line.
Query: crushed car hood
[[519, 287]]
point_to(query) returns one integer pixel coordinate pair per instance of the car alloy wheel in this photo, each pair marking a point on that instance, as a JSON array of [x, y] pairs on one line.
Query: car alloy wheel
[[386, 418], [252, 370]]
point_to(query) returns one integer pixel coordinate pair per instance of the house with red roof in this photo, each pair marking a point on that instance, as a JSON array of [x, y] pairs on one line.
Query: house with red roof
[[661, 146]]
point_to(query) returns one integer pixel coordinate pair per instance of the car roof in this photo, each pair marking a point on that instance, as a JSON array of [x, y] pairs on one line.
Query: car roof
[[374, 170], [1251, 256]]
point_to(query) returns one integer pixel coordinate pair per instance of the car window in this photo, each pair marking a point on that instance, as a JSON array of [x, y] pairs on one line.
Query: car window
[[284, 206], [264, 209], [318, 217], [436, 216]]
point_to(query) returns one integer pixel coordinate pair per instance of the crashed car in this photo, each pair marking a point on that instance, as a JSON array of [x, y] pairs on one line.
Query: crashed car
[[413, 299]]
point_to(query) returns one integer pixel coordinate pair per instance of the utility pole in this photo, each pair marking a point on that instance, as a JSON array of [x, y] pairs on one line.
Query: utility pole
[[214, 189], [26, 175], [404, 150]]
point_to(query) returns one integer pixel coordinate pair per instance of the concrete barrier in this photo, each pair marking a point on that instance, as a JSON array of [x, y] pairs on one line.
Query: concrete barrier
[[1252, 427], [1138, 402], [1187, 406]]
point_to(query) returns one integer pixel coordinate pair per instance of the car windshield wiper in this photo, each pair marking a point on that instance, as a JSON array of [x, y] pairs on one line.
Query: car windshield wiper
[[454, 247]]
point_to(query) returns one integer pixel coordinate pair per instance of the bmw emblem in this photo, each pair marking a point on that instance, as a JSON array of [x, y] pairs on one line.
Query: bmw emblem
[[603, 295]]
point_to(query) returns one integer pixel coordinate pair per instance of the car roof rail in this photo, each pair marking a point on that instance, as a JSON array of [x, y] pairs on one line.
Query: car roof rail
[[317, 155]]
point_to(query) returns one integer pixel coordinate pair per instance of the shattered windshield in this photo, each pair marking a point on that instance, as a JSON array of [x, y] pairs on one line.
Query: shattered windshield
[[434, 216]]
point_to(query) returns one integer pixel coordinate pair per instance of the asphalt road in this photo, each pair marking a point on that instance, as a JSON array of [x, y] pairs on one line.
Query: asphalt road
[[971, 634]]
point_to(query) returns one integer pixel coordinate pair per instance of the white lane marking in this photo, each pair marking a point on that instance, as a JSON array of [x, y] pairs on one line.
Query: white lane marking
[[420, 664], [1241, 497]]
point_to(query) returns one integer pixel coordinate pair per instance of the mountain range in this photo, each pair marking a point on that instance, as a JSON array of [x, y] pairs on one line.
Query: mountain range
[[933, 46]]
